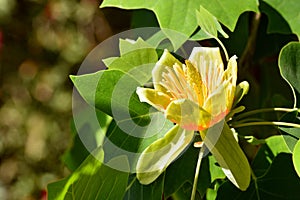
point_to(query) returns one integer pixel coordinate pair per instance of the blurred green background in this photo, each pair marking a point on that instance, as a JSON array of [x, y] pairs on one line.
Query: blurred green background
[[41, 43]]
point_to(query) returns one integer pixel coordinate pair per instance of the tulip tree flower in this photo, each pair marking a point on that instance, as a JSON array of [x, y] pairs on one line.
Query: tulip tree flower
[[196, 96]]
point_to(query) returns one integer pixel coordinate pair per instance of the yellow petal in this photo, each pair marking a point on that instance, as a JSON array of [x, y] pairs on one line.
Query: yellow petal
[[201, 57], [215, 103], [231, 71], [230, 78], [166, 60], [188, 115], [210, 66], [157, 99]]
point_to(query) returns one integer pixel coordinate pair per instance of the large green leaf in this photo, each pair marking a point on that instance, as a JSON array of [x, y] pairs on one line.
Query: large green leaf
[[290, 12], [280, 182], [113, 92], [181, 15], [92, 180], [153, 191], [276, 23], [289, 62], [93, 136]]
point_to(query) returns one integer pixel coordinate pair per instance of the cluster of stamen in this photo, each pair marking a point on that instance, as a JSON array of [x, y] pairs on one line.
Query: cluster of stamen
[[175, 81]]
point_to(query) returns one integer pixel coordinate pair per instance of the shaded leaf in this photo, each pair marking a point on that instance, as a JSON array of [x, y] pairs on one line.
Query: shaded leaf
[[273, 146], [280, 182], [92, 180], [276, 23], [120, 141], [153, 191], [289, 11], [182, 171], [93, 136]]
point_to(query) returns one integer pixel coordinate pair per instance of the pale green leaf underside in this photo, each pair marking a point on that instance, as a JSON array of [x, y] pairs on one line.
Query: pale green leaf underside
[[160, 154], [181, 15], [289, 62], [209, 23]]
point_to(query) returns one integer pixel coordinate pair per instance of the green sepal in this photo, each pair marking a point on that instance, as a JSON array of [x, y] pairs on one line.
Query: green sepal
[[240, 91], [221, 142]]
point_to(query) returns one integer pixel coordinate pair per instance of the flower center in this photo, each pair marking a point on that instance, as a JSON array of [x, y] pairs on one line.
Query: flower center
[[180, 84]]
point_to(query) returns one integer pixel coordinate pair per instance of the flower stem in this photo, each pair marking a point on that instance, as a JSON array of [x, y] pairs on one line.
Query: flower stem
[[201, 153], [265, 124], [253, 112]]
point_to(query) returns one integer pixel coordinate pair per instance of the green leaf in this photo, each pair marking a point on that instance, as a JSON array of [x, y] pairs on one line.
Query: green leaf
[[273, 146], [137, 59], [277, 145], [290, 141], [132, 143], [289, 11], [127, 46], [290, 135], [92, 180], [77, 153], [152, 191], [220, 141], [93, 134], [181, 15], [296, 158], [97, 88], [160, 154], [113, 90], [289, 62], [209, 23], [215, 170], [280, 182], [276, 23], [114, 93]]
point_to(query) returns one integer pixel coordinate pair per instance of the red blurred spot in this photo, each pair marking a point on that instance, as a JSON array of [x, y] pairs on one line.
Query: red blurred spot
[[43, 195]]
